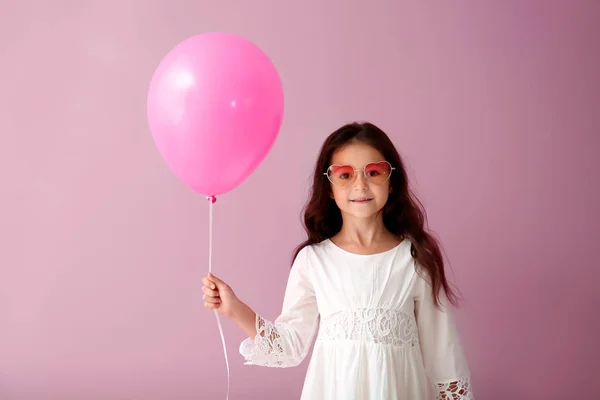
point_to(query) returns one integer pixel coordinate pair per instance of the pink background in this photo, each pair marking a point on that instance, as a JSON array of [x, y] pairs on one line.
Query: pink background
[[495, 106]]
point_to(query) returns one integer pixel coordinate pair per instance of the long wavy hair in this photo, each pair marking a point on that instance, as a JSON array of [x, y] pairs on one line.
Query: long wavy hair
[[403, 214]]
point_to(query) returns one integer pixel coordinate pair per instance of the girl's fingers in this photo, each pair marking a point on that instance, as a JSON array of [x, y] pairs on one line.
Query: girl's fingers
[[208, 283], [211, 306], [209, 299], [216, 280], [209, 292]]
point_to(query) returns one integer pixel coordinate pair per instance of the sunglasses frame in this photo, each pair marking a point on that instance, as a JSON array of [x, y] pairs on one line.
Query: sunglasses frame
[[363, 170]]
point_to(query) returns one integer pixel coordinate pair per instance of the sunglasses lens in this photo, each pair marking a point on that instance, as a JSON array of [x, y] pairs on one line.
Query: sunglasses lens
[[340, 175], [379, 172]]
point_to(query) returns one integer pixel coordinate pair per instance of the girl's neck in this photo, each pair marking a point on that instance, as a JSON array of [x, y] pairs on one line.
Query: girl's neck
[[364, 233]]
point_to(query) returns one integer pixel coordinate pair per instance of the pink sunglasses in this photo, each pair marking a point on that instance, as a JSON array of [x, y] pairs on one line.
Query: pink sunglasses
[[344, 175]]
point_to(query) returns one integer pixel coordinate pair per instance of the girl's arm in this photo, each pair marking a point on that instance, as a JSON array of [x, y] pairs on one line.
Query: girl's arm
[[219, 296], [245, 317], [283, 342], [443, 356]]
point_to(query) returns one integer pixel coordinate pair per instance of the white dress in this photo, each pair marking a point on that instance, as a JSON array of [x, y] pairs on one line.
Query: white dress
[[380, 335]]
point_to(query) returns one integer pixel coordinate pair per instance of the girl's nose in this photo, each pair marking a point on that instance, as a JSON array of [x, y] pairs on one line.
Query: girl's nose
[[360, 180]]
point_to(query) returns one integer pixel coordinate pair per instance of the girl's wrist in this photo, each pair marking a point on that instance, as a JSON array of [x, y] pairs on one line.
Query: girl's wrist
[[245, 318], [238, 309]]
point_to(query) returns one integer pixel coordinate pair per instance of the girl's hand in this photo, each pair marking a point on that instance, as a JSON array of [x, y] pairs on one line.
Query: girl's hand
[[219, 296]]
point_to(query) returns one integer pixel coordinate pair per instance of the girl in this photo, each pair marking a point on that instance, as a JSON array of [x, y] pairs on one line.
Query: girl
[[369, 277]]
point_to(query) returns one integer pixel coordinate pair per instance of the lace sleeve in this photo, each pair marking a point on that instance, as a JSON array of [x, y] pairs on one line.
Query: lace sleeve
[[443, 356], [266, 349], [456, 390], [286, 341]]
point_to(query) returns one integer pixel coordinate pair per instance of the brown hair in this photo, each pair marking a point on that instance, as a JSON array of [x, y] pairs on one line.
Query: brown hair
[[403, 214]]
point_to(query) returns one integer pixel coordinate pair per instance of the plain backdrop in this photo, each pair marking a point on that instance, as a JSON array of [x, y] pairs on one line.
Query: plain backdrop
[[493, 104]]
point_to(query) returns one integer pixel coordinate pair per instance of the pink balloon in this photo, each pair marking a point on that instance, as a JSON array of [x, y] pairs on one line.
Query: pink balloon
[[215, 107]]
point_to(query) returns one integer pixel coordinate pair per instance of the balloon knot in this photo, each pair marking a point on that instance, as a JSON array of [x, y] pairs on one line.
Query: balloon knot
[[212, 199]]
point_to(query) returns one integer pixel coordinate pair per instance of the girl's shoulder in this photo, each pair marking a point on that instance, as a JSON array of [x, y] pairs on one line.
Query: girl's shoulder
[[313, 250]]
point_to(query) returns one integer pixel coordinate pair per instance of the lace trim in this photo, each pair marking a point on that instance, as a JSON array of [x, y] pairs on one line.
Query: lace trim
[[266, 348], [456, 390], [376, 325]]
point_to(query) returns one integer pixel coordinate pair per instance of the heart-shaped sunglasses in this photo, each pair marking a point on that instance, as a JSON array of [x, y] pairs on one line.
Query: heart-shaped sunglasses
[[344, 175]]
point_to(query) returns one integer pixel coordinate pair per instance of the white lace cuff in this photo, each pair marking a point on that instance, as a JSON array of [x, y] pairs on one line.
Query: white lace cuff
[[266, 348], [454, 390]]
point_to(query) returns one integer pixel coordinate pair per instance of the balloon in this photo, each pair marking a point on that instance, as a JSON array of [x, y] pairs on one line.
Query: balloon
[[215, 107]]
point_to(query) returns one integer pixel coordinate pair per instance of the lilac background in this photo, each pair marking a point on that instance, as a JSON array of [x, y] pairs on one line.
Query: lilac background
[[494, 104]]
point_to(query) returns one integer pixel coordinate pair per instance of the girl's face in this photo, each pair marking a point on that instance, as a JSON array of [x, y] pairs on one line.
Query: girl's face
[[354, 193]]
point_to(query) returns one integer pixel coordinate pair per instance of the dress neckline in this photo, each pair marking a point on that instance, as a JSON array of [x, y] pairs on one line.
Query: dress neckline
[[367, 255]]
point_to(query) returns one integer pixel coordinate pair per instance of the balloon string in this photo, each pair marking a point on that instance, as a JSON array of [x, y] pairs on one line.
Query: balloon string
[[211, 201]]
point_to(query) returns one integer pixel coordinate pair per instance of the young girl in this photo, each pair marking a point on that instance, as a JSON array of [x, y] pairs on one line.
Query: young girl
[[369, 279]]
